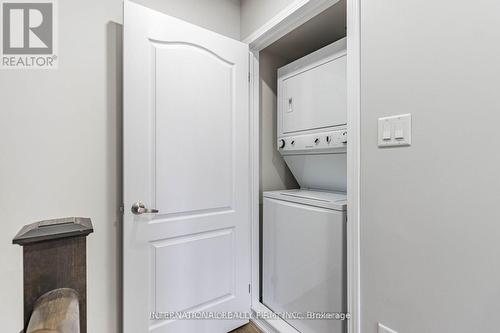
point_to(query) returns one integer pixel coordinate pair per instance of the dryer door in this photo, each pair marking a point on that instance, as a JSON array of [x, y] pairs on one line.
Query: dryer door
[[304, 263], [313, 99]]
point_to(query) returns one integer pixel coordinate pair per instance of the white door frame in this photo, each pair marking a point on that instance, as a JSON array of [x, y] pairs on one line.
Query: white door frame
[[299, 12]]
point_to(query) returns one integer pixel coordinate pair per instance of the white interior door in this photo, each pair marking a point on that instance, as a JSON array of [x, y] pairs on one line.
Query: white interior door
[[186, 153]]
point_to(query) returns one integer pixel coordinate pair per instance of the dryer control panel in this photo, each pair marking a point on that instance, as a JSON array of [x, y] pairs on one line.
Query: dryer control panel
[[324, 141]]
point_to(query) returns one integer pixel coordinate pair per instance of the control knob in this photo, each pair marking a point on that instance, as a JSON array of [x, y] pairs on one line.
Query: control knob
[[344, 137], [281, 144]]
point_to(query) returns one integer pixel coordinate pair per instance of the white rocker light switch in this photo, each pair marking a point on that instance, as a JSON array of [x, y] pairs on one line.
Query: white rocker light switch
[[387, 132], [401, 125]]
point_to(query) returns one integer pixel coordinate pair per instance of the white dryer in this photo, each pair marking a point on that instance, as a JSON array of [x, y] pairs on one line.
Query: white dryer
[[304, 231], [312, 117]]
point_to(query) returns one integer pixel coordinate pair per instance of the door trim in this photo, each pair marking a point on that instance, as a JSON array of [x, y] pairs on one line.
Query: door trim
[[353, 163], [284, 22]]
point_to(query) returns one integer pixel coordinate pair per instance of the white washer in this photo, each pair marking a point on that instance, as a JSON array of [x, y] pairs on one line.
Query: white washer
[[304, 265]]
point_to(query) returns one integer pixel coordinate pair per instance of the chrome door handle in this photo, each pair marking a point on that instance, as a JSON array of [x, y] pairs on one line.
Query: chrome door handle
[[140, 208]]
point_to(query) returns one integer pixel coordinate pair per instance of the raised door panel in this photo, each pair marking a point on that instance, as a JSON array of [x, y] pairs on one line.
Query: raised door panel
[[209, 255], [194, 139]]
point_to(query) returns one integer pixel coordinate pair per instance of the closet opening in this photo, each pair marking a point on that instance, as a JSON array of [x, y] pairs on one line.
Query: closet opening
[[302, 177]]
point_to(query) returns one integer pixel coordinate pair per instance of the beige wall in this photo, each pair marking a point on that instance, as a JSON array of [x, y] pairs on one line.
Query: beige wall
[[222, 16], [430, 223], [60, 145], [256, 13]]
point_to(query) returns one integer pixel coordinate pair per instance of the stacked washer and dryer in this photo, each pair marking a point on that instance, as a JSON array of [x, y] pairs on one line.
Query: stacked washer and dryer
[[304, 230]]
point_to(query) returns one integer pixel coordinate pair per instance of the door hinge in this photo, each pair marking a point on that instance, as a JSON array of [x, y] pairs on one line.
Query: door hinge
[[249, 76], [249, 288], [122, 209]]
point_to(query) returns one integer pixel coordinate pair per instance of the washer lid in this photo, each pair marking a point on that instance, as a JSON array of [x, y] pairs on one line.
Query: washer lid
[[325, 199]]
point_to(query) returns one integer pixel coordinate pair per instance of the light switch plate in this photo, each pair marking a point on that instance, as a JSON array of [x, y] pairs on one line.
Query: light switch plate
[[384, 329], [400, 131]]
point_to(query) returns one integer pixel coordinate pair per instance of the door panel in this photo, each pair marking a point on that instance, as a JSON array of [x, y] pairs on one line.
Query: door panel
[[186, 153], [190, 257], [185, 134]]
